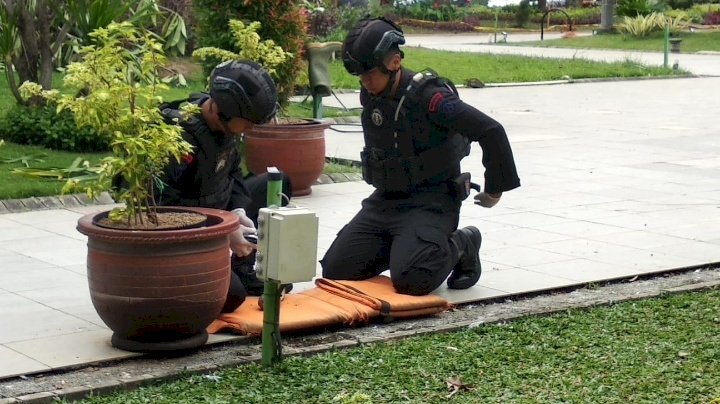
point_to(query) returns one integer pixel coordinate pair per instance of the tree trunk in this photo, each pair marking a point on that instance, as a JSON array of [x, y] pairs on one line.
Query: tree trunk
[[27, 63], [606, 16], [44, 20]]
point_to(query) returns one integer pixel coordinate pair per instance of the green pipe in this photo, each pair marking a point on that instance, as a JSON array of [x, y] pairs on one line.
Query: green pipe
[[667, 41], [271, 342]]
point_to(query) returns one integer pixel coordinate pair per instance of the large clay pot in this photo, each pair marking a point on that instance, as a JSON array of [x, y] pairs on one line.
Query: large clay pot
[[297, 149], [158, 290]]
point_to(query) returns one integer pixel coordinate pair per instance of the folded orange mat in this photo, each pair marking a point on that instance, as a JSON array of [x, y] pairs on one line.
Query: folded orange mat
[[379, 294], [332, 302]]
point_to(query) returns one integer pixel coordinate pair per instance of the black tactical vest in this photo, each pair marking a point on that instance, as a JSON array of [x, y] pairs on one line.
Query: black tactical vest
[[404, 151], [204, 177]]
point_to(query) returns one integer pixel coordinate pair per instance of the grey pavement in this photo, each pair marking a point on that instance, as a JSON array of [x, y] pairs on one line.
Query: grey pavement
[[619, 178], [696, 63]]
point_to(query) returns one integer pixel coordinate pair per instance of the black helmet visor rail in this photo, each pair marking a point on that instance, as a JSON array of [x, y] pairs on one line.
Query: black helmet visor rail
[[228, 93], [389, 39]]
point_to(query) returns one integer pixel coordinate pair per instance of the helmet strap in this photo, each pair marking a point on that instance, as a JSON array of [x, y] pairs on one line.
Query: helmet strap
[[395, 77]]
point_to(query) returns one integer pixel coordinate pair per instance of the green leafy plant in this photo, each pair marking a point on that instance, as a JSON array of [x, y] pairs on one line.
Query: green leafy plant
[[265, 52], [642, 25], [119, 76], [45, 126], [282, 21]]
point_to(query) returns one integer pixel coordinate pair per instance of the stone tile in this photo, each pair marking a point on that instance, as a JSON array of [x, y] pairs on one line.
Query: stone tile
[[80, 269], [578, 212], [582, 270], [473, 294], [523, 256], [24, 319], [50, 202], [698, 231], [85, 312], [42, 278], [582, 228], [223, 337], [45, 216], [13, 363], [16, 262], [699, 251], [47, 242], [16, 233], [62, 257], [15, 205], [78, 348], [525, 236], [528, 219], [637, 239], [521, 281], [59, 297]]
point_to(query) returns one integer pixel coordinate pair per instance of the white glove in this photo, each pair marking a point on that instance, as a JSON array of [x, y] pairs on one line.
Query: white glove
[[486, 200], [238, 243]]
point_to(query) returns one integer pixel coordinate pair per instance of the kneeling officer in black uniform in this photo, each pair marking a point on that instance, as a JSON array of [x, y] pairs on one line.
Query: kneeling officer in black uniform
[[416, 132], [241, 95]]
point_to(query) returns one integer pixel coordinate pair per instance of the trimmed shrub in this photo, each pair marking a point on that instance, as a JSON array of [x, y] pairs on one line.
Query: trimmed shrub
[[283, 21], [43, 126]]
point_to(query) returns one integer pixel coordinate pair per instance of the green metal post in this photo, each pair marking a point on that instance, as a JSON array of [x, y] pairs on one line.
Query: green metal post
[[496, 23], [317, 106], [271, 343], [666, 42]]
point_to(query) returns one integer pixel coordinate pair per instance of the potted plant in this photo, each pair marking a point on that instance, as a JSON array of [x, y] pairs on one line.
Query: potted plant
[[158, 276], [295, 146]]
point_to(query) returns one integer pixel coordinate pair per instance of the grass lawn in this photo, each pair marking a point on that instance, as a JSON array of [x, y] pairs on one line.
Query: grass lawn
[[660, 350], [691, 42], [20, 186], [462, 66]]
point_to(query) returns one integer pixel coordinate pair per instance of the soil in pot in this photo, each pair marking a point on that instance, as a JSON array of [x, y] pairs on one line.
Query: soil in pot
[[158, 221]]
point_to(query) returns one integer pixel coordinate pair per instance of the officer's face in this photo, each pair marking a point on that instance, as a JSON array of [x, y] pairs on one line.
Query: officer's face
[[237, 126], [374, 81]]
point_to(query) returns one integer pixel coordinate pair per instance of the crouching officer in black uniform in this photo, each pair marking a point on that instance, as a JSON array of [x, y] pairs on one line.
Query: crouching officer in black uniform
[[416, 132], [241, 95]]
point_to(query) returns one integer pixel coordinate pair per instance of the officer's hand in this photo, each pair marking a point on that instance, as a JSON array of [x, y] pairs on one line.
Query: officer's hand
[[487, 200], [238, 243]]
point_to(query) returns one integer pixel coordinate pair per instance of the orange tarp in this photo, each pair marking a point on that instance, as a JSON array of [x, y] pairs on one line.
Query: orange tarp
[[332, 302]]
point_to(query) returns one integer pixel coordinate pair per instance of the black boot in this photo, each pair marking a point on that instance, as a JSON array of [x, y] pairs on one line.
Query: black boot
[[466, 272], [244, 268]]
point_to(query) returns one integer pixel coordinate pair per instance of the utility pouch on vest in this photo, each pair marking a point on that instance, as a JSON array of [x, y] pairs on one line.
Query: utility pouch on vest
[[461, 186]]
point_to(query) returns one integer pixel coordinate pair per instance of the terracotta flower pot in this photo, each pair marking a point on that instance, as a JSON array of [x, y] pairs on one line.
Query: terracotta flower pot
[[157, 290], [297, 149]]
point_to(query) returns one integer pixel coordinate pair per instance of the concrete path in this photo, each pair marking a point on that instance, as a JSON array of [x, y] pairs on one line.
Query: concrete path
[[699, 64], [619, 179]]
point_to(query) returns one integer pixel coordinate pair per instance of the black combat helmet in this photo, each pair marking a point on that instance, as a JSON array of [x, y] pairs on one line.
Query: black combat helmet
[[243, 90], [368, 43]]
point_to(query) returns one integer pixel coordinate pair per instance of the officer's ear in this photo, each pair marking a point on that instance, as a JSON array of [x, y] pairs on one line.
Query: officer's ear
[[394, 62]]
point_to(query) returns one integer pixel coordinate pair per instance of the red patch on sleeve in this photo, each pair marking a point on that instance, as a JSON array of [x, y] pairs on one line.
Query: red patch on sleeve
[[188, 159], [435, 101]]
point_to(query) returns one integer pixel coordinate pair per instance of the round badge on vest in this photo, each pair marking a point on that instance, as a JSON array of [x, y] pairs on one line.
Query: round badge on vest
[[377, 117], [221, 163]]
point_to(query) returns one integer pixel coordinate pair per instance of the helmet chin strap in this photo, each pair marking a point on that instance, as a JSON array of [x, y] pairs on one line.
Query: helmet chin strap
[[395, 80]]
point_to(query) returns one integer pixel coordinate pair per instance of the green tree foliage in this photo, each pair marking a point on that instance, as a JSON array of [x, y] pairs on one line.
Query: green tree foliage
[[281, 20], [119, 74], [36, 36]]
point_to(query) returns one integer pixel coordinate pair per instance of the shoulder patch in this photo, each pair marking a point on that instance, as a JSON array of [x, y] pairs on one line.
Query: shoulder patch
[[448, 107], [435, 102]]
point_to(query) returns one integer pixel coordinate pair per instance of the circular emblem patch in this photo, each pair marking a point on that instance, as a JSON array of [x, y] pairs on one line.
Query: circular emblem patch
[[221, 162], [377, 117]]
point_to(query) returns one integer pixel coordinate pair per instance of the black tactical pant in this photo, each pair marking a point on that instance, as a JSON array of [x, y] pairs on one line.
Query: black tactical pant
[[243, 281], [410, 236]]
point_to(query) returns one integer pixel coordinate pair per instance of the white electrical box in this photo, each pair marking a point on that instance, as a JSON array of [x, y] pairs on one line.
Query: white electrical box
[[287, 244]]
